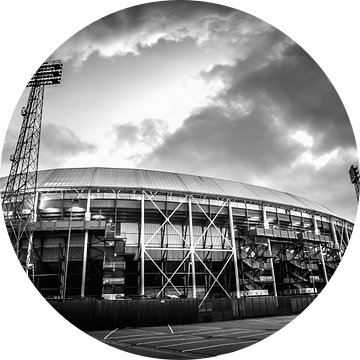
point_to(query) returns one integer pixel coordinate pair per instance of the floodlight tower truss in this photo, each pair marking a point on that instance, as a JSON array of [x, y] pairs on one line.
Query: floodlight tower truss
[[19, 198], [355, 179]]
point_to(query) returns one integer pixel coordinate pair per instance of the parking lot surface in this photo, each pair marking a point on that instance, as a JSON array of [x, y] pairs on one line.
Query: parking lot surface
[[193, 341]]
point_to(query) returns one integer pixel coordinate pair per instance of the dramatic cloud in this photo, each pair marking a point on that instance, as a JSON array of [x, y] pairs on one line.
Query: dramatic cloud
[[139, 139], [221, 92], [58, 144], [276, 121], [295, 84], [127, 31]]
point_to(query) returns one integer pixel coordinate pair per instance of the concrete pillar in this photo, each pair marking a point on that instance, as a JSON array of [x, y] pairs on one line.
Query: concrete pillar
[[142, 247], [316, 229], [83, 276], [265, 220], [88, 213], [86, 243], [192, 250], [232, 232]]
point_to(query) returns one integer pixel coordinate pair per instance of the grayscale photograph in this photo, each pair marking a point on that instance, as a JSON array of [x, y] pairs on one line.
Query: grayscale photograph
[[179, 180]]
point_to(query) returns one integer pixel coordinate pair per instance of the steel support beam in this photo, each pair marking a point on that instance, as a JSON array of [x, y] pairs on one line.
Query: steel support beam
[[347, 237], [232, 234], [86, 243], [29, 256], [333, 230], [316, 229], [265, 220], [88, 213], [192, 250], [273, 272], [323, 264], [142, 246], [83, 276]]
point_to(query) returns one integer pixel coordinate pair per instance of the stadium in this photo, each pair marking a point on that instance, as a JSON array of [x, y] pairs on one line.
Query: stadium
[[114, 234]]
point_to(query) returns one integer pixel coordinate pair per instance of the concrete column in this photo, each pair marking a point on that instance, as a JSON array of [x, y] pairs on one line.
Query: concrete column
[[265, 220], [232, 232], [83, 277], [192, 250], [88, 213], [316, 229], [86, 243], [142, 247]]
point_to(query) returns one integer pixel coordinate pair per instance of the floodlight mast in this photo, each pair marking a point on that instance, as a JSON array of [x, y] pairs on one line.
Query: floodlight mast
[[19, 198], [355, 179]]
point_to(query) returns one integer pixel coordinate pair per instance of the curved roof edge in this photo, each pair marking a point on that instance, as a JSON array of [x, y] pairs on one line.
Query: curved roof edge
[[141, 179]]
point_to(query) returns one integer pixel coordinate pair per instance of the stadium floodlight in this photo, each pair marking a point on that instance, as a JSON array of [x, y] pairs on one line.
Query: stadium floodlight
[[354, 174], [49, 73]]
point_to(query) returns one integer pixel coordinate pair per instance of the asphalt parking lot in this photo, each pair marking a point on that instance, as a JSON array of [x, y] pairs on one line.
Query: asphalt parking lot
[[192, 341]]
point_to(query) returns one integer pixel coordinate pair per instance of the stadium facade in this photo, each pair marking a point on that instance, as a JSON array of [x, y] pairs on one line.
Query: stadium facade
[[139, 233]]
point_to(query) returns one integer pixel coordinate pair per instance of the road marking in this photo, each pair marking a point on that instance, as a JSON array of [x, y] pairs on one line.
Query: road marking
[[110, 333], [281, 321], [156, 337], [265, 333], [162, 339], [213, 331], [217, 345], [132, 336], [273, 321], [156, 341], [170, 329], [187, 343], [195, 329], [238, 332]]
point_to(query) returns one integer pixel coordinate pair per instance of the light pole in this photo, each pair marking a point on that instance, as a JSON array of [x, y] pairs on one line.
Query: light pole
[[68, 249]]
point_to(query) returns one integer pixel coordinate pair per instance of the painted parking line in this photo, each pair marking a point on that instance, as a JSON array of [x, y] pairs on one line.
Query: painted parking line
[[162, 341], [273, 321], [237, 332], [214, 331], [151, 337], [195, 329], [137, 337], [268, 333], [218, 345], [178, 345]]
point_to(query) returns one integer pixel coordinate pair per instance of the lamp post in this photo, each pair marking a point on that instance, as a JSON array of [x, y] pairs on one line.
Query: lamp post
[[68, 249]]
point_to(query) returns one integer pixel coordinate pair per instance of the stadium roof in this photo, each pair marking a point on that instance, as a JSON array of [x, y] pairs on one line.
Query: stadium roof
[[136, 179]]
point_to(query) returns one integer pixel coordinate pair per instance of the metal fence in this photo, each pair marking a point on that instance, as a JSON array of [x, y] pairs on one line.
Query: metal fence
[[96, 315]]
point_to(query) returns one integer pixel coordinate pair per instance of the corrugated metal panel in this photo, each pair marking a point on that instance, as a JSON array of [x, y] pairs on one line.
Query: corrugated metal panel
[[62, 178], [168, 182], [243, 190], [267, 194], [313, 205], [113, 178]]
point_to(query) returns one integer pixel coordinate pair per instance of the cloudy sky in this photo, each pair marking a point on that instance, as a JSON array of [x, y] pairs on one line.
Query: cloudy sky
[[197, 88]]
